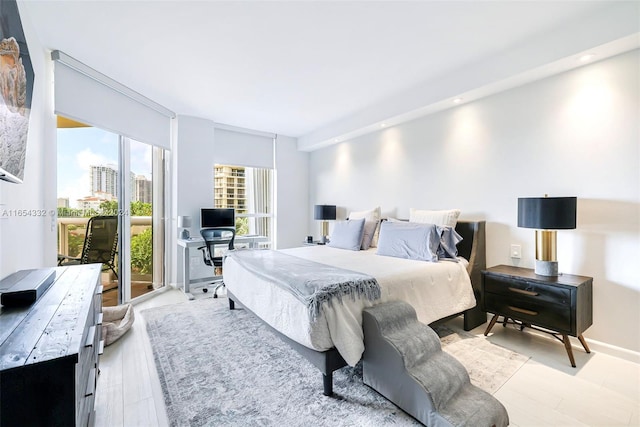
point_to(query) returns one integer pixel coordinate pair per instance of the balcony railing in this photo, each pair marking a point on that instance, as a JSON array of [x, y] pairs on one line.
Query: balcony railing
[[71, 234], [138, 225]]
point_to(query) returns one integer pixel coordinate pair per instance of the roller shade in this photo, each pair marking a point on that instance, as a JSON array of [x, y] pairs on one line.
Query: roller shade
[[85, 95], [238, 148]]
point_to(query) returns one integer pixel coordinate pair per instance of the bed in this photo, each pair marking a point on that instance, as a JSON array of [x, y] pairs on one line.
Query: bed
[[334, 339]]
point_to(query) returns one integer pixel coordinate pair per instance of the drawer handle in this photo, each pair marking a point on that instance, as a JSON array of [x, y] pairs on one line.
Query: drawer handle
[[523, 311], [522, 291], [91, 336], [91, 385]]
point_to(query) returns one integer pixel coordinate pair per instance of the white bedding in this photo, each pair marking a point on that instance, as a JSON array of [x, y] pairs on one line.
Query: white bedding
[[435, 290]]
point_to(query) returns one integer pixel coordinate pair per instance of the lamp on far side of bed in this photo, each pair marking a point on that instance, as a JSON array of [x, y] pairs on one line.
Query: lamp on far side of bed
[[324, 213], [546, 215]]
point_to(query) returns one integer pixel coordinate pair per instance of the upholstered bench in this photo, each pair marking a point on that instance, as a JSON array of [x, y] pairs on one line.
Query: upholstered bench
[[404, 362]]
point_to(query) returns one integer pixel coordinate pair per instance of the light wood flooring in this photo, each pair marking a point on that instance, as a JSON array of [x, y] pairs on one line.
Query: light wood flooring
[[602, 391]]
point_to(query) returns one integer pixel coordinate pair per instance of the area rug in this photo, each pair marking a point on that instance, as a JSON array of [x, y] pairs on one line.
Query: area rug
[[219, 367]]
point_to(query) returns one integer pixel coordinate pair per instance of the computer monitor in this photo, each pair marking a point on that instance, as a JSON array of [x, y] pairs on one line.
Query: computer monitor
[[217, 217]]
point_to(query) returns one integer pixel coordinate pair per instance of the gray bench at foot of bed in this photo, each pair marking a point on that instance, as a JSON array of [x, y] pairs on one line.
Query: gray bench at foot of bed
[[403, 361]]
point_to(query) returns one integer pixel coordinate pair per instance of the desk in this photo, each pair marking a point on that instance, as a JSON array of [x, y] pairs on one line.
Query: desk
[[196, 242]]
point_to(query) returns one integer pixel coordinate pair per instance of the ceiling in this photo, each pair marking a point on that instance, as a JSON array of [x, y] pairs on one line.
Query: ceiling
[[325, 70]]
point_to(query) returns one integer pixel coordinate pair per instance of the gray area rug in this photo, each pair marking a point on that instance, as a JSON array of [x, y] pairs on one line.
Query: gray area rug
[[226, 368]]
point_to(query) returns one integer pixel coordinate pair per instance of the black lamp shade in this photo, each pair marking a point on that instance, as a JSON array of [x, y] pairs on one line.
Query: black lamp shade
[[547, 213], [324, 212]]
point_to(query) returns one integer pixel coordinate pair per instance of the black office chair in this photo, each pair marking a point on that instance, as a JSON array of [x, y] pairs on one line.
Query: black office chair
[[216, 237]]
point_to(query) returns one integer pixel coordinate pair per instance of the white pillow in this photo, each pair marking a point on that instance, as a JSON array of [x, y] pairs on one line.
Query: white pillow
[[444, 217], [371, 221]]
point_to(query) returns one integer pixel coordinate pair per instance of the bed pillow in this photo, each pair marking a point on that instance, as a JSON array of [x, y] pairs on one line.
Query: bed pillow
[[449, 239], [444, 217], [409, 240], [347, 234], [371, 221]]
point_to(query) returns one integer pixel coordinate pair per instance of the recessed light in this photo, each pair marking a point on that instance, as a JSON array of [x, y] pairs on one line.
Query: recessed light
[[336, 140], [587, 57], [457, 100], [382, 125]]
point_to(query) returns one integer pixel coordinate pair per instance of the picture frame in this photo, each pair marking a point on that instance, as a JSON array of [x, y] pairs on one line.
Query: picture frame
[[16, 93]]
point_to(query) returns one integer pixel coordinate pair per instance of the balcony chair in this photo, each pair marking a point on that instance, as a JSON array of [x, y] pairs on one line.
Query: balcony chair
[[219, 236], [100, 244]]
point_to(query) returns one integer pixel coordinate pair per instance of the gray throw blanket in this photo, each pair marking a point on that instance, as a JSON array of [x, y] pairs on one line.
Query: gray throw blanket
[[310, 282]]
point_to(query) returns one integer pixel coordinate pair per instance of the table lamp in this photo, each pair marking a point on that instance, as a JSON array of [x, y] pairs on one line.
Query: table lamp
[[546, 215], [184, 222], [324, 213]]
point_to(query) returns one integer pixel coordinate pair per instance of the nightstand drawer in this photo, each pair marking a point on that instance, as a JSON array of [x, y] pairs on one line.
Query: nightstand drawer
[[552, 317], [528, 290]]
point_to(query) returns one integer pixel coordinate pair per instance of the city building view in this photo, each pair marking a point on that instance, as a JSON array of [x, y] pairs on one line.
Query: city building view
[[249, 191], [230, 188]]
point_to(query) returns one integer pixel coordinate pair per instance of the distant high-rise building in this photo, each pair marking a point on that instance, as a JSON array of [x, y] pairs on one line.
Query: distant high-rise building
[[104, 179], [63, 202], [230, 187], [142, 192]]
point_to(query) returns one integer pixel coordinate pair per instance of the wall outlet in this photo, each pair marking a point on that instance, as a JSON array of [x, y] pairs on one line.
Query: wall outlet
[[516, 251]]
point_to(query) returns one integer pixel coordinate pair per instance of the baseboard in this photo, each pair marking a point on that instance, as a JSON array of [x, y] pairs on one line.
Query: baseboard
[[612, 350], [150, 295]]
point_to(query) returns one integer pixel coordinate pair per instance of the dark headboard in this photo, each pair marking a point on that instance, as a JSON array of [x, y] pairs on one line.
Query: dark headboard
[[473, 244], [473, 248]]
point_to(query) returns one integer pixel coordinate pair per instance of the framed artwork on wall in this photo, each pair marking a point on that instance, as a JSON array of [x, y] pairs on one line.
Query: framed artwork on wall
[[16, 92]]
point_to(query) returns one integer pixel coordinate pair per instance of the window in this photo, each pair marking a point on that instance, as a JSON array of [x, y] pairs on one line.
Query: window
[[90, 183], [250, 192]]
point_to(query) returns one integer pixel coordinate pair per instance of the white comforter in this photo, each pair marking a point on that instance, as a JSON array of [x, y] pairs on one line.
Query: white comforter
[[435, 290]]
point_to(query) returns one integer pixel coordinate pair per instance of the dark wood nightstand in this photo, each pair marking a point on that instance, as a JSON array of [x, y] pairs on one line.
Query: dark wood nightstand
[[560, 306]]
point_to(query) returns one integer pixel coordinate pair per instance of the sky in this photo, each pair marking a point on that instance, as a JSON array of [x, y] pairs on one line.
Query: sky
[[80, 148]]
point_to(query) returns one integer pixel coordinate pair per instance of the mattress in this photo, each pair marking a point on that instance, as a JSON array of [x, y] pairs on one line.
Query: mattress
[[435, 289]]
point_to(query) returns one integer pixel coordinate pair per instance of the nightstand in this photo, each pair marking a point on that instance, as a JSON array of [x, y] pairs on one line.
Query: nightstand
[[560, 306]]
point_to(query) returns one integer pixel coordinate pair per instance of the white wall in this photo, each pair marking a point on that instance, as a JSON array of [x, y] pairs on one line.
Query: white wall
[[30, 241], [194, 160], [292, 169], [575, 134]]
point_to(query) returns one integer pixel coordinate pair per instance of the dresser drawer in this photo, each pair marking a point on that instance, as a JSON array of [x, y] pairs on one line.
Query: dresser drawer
[[527, 290], [553, 317]]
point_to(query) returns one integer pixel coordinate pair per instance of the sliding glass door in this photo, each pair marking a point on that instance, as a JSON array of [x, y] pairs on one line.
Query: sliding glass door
[[104, 174]]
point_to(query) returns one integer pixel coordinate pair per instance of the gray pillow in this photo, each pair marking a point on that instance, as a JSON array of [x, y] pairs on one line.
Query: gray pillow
[[409, 240], [449, 239], [347, 234]]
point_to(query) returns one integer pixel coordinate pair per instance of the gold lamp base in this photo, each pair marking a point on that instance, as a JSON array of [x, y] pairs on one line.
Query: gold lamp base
[[325, 231], [546, 253]]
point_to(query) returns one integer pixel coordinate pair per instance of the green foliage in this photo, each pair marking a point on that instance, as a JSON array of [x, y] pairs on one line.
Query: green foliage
[[76, 240], [142, 252], [242, 226], [109, 207], [141, 209]]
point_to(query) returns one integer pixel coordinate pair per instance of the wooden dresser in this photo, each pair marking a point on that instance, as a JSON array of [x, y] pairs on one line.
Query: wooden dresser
[[49, 352]]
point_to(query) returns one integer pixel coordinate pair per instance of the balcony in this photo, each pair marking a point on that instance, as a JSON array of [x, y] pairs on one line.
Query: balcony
[[71, 233]]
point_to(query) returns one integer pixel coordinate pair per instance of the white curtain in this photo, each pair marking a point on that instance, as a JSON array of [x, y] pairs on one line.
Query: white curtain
[[240, 148], [86, 95]]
